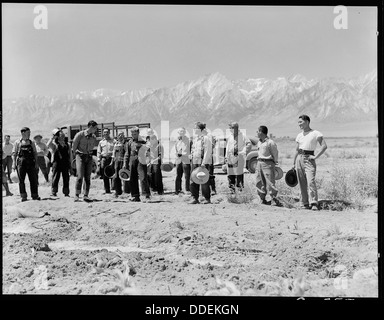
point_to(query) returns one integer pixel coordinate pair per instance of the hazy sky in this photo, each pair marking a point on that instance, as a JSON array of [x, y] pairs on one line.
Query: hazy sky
[[126, 47]]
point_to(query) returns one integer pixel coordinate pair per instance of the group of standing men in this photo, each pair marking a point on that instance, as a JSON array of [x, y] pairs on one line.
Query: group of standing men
[[143, 158]]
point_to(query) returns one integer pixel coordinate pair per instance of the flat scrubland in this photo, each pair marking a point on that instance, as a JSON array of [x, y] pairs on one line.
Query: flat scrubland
[[234, 246]]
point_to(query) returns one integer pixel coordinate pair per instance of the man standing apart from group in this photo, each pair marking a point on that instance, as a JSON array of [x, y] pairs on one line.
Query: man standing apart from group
[[201, 155], [82, 147], [182, 151], [104, 157], [25, 162], [235, 154], [265, 170], [305, 162], [7, 156]]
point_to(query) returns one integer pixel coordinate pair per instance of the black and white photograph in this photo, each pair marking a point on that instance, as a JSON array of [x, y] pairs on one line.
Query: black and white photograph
[[190, 150]]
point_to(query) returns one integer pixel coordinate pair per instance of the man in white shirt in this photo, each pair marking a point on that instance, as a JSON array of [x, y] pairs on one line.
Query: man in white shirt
[[42, 151], [182, 151], [304, 162], [7, 156], [104, 157]]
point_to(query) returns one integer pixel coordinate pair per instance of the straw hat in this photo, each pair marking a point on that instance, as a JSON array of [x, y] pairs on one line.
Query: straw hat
[[278, 173], [124, 174], [167, 167], [109, 171], [15, 177], [291, 178], [200, 175]]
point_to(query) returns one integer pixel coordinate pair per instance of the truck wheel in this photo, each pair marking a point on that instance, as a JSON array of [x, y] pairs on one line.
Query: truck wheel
[[252, 165]]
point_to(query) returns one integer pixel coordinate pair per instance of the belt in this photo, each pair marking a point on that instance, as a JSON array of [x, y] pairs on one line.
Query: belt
[[306, 152], [260, 159]]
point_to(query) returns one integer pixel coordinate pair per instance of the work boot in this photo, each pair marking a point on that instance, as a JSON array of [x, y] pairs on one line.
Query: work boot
[[194, 201], [87, 199], [263, 201], [314, 207], [206, 201], [275, 203], [77, 199]]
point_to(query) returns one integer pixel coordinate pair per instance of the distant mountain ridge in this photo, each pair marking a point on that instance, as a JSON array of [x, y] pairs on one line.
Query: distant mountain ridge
[[211, 98]]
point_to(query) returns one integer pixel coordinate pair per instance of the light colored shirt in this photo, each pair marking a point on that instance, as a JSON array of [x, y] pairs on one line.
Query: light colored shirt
[[182, 146], [105, 148], [155, 151], [42, 149], [7, 149], [267, 149], [240, 143], [308, 141], [84, 142], [119, 150], [202, 149]]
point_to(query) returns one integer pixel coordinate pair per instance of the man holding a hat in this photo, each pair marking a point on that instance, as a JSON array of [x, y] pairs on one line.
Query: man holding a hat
[[201, 155], [82, 146], [135, 158], [182, 151], [104, 157], [118, 152], [25, 162], [265, 170], [235, 153], [305, 164], [42, 151], [155, 154]]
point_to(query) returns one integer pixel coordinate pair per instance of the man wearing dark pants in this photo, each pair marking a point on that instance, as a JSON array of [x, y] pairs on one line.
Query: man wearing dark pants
[[305, 164], [119, 150], [182, 161], [135, 158], [201, 156], [42, 151], [104, 157], [7, 156], [25, 162], [83, 144]]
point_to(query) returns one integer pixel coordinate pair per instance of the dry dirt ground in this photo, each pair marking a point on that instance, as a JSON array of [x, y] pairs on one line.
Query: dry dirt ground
[[169, 247]]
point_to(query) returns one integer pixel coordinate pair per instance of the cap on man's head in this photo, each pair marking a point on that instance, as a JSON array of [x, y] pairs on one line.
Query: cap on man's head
[[135, 129], [150, 132], [233, 125], [38, 136], [23, 129]]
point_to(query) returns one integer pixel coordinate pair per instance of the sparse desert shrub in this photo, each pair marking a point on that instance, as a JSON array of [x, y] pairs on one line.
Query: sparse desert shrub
[[353, 185], [246, 195]]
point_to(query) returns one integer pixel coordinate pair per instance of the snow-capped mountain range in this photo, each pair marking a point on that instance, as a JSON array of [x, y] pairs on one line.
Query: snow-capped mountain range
[[212, 98]]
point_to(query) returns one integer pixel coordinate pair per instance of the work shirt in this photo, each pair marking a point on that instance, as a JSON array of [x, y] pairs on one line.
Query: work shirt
[[105, 148], [202, 149], [267, 150], [236, 152], [309, 141], [42, 149], [60, 153], [183, 147], [135, 149], [119, 149], [7, 149], [84, 142], [155, 151]]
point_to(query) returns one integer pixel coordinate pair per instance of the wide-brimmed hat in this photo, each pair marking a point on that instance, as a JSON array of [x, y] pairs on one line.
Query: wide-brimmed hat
[[109, 171], [55, 131], [167, 167], [200, 175], [291, 178], [124, 174], [278, 173], [14, 177]]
